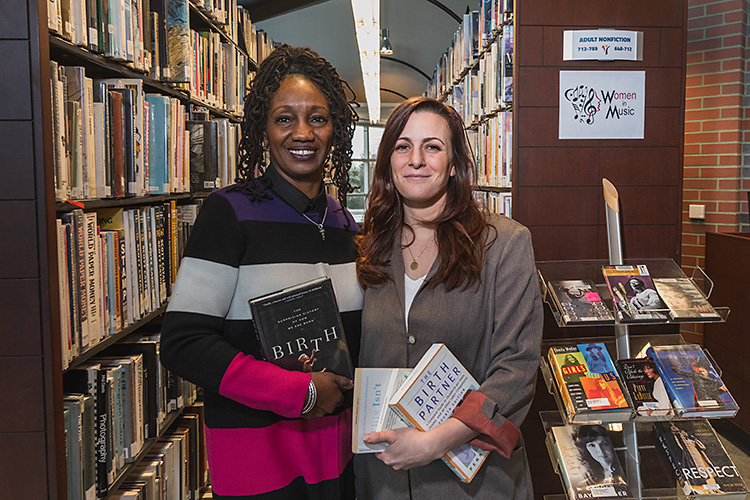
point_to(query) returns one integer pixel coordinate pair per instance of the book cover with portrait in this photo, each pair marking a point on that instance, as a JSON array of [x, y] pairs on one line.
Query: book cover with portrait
[[693, 383], [634, 295], [645, 386], [588, 381], [589, 464], [684, 300], [699, 460]]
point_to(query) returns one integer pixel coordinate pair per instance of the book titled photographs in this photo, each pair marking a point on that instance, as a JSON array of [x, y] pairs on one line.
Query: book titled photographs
[[588, 463], [299, 328], [588, 382], [684, 300], [428, 397], [693, 382], [579, 303], [699, 460], [646, 387], [634, 295]]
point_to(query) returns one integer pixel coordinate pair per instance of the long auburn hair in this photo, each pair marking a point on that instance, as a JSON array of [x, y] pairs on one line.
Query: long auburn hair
[[287, 60], [461, 228]]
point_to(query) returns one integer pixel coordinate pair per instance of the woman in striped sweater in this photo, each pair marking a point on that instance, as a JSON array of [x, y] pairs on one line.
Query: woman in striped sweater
[[267, 436]]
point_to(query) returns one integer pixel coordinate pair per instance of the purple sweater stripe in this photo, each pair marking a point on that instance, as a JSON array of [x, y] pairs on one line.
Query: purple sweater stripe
[[291, 442], [275, 210]]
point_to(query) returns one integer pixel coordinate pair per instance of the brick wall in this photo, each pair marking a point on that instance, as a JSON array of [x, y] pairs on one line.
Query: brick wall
[[717, 161]]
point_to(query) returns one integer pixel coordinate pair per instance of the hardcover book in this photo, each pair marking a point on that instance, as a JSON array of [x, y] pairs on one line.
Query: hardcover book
[[373, 388], [693, 382], [645, 386], [300, 328], [588, 463], [634, 295], [428, 397], [588, 382], [699, 460], [684, 300], [204, 158], [579, 303]]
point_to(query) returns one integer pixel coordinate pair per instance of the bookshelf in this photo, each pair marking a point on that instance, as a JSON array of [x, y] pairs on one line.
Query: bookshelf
[[475, 76], [31, 362]]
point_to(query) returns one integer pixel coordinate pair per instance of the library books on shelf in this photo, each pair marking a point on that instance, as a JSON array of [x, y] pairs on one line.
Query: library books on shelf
[[475, 76], [134, 84], [656, 359]]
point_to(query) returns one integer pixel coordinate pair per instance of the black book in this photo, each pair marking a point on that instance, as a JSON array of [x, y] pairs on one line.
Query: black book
[[699, 460], [302, 322], [579, 302], [204, 156], [646, 388]]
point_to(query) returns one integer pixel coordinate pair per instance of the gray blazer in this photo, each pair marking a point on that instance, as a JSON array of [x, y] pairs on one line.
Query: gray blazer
[[495, 330]]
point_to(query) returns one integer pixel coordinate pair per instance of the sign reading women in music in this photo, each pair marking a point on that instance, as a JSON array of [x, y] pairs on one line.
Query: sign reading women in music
[[602, 104]]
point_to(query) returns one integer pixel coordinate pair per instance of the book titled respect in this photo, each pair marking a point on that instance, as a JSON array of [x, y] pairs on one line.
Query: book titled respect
[[302, 320], [428, 397]]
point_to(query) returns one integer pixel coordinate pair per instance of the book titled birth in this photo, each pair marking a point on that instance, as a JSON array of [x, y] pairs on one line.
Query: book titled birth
[[300, 328]]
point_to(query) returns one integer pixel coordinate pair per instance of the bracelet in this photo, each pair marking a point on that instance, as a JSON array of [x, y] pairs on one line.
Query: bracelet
[[312, 398]]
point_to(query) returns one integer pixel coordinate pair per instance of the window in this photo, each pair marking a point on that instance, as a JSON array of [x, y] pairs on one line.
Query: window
[[364, 153]]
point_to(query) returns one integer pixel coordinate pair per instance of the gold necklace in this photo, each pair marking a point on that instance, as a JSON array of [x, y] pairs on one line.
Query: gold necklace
[[321, 229], [414, 264]]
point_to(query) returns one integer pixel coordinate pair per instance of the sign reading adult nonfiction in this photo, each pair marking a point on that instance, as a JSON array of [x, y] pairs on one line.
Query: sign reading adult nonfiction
[[603, 45], [602, 104]]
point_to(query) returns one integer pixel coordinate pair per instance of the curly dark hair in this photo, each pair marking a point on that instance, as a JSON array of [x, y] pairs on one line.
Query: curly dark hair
[[283, 61]]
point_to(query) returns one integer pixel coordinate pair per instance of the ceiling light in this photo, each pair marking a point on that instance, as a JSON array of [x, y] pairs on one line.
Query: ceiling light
[[385, 43], [367, 27]]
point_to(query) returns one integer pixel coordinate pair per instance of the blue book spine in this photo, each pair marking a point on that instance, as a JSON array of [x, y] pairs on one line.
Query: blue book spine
[[157, 143], [112, 255]]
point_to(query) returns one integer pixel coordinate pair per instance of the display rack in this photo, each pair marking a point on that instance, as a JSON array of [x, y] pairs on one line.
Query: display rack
[[633, 434]]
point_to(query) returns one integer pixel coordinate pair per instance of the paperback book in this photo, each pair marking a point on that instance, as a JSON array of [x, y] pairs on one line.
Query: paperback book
[[299, 328], [684, 300], [588, 382], [645, 386], [693, 382], [588, 463], [579, 303], [373, 388], [634, 295], [428, 397], [699, 460]]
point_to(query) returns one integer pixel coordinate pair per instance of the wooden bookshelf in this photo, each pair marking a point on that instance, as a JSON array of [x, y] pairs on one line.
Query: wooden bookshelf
[[31, 391]]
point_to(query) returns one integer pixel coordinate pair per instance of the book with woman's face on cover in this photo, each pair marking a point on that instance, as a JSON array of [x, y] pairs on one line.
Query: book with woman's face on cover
[[300, 328], [588, 462]]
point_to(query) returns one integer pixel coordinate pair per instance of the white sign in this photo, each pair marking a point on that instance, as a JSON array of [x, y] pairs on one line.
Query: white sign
[[603, 45], [602, 104]]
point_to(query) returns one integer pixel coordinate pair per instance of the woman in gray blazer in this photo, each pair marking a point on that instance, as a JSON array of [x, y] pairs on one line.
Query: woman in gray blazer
[[436, 269]]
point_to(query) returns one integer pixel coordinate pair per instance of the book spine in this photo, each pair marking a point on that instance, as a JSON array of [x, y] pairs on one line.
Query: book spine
[[670, 449], [103, 434]]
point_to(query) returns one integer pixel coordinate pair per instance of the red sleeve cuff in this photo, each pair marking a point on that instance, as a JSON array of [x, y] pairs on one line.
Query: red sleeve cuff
[[492, 437]]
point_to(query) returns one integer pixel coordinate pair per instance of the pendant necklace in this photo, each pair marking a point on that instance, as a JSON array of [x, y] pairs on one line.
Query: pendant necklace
[[321, 229], [414, 264]]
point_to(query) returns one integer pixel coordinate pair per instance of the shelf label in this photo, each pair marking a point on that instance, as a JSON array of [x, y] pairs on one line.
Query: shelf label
[[602, 104], [603, 45]]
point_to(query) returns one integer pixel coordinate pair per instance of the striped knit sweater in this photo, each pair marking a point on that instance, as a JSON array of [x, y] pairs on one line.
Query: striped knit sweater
[[257, 445]]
